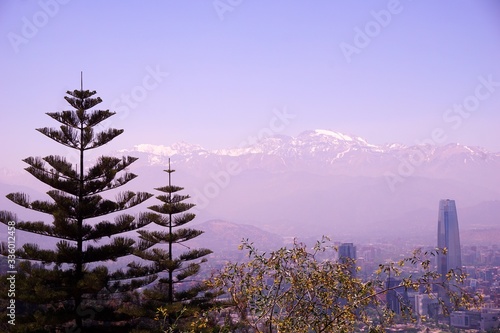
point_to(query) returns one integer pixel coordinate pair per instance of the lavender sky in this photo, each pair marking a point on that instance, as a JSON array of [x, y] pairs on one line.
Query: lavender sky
[[217, 72]]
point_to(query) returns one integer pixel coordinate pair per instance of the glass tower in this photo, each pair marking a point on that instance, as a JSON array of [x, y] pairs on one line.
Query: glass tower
[[448, 237], [347, 255], [347, 250]]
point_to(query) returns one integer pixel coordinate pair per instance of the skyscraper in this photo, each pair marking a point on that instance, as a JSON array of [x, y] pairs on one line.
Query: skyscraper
[[396, 297], [347, 255], [448, 237], [347, 250]]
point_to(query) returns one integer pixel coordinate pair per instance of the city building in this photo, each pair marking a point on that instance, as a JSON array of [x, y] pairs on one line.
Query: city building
[[347, 255], [448, 237], [484, 320], [397, 296], [426, 305]]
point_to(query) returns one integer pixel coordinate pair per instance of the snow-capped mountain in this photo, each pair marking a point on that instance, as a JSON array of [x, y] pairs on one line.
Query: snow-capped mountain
[[323, 182], [324, 152], [308, 142], [326, 182]]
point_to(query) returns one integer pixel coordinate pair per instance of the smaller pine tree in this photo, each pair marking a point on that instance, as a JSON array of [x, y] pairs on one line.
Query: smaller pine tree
[[175, 286]]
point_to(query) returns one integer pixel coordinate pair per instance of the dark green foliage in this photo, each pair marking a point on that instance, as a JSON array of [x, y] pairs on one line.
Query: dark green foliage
[[60, 286], [175, 288]]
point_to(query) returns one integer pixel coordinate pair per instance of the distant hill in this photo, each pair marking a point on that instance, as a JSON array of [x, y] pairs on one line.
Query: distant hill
[[221, 236]]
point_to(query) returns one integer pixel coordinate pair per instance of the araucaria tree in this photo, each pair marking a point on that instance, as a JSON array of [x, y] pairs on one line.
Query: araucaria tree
[[167, 249], [59, 283]]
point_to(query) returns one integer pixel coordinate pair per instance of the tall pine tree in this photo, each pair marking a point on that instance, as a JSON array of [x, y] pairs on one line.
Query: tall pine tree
[[58, 286], [167, 249]]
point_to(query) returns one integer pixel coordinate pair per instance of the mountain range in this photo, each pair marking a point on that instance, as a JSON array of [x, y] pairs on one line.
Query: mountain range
[[324, 152], [325, 182], [322, 182]]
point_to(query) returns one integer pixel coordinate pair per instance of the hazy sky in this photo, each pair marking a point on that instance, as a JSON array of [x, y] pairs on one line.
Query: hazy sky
[[215, 73]]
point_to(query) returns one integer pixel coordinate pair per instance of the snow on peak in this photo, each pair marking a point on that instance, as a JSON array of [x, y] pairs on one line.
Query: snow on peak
[[336, 135], [152, 149], [161, 150]]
